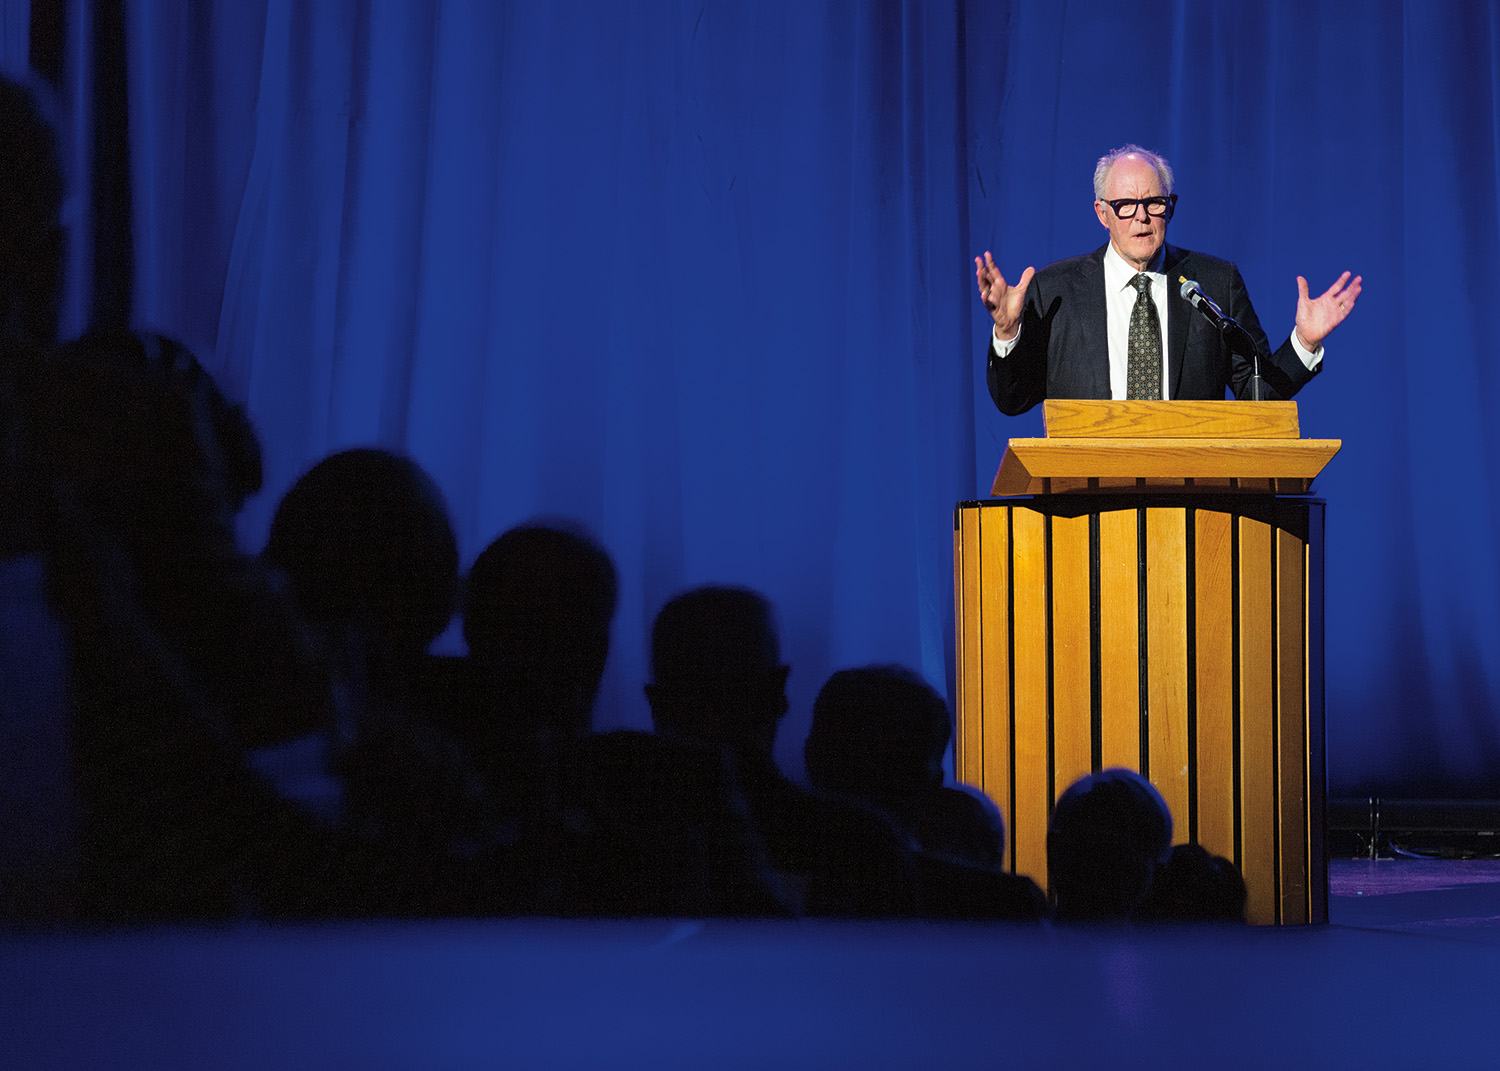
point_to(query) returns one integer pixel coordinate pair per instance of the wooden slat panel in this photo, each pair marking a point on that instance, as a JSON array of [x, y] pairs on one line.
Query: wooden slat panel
[[1214, 673], [1291, 705], [1029, 823], [1167, 664], [968, 572], [997, 762], [1119, 640], [1274, 841], [1072, 662], [1257, 857], [1317, 770], [1076, 418]]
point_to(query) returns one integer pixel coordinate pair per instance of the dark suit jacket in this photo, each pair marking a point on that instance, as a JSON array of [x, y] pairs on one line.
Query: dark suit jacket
[[1064, 351]]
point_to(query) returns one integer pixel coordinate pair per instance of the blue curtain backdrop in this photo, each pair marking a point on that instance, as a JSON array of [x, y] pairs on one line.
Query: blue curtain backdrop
[[700, 275]]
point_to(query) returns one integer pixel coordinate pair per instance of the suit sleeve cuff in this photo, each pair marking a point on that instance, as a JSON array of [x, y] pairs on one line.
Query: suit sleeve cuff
[[1002, 347], [1310, 359]]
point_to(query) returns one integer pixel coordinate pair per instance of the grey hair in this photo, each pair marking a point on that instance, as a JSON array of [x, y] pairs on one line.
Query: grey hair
[[1109, 159]]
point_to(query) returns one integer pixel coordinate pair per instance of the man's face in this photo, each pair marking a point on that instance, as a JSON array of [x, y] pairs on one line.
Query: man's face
[[1138, 238]]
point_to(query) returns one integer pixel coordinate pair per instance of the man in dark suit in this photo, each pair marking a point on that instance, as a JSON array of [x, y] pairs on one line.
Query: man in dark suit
[[1112, 324]]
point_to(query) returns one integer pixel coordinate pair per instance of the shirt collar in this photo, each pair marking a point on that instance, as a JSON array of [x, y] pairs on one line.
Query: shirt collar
[[1117, 273]]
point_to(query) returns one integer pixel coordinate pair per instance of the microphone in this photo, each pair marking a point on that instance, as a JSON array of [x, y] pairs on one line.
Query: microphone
[[1193, 294], [1235, 337]]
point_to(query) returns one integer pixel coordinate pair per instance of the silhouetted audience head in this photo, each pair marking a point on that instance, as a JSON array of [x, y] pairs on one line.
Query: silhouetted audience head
[[365, 539], [879, 735], [1108, 834], [537, 612], [877, 732], [142, 463], [1194, 885], [31, 233], [223, 442], [716, 669]]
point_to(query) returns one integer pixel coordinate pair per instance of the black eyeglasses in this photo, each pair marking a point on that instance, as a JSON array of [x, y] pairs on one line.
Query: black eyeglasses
[[1125, 207]]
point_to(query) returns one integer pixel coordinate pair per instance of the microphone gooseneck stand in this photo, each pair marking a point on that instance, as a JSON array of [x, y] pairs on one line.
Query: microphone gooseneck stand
[[1239, 341], [1235, 337]]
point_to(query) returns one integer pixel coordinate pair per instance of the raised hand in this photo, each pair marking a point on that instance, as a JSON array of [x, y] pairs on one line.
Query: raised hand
[[1317, 317], [1002, 299]]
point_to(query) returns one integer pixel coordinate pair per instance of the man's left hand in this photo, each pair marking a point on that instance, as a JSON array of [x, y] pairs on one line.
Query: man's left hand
[[1317, 317]]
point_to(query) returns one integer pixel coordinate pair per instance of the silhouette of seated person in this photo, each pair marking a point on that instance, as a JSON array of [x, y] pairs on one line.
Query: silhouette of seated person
[[183, 650], [619, 823], [366, 544], [878, 735], [37, 854], [670, 834], [140, 452], [117, 564], [121, 466], [538, 606], [717, 677], [1194, 885], [31, 256], [368, 550], [1108, 834]]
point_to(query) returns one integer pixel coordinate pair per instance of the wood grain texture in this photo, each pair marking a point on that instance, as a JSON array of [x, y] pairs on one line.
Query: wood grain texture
[[1175, 458], [1317, 763], [1257, 855], [1167, 661], [1119, 640], [1075, 418], [1072, 657], [998, 761], [1022, 591], [1291, 733], [1213, 594], [1030, 643], [968, 583], [1012, 477]]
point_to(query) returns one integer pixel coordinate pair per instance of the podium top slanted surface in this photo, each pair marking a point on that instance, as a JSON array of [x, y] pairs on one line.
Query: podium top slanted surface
[[1108, 446]]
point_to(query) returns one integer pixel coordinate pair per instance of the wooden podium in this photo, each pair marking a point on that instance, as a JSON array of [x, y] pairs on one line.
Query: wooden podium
[[1156, 602]]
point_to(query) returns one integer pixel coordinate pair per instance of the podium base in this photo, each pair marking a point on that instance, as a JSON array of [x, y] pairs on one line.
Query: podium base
[[1180, 636]]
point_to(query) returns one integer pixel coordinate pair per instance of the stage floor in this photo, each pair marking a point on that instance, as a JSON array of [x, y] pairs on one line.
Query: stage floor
[[1407, 975], [1435, 897]]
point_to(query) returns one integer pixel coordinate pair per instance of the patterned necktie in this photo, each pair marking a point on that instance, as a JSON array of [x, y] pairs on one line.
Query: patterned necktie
[[1143, 352]]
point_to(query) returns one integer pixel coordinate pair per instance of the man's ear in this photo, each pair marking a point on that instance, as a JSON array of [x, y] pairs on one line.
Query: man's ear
[[1100, 208]]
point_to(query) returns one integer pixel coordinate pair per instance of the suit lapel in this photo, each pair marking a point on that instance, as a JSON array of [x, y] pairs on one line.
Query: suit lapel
[[1177, 319], [1095, 325]]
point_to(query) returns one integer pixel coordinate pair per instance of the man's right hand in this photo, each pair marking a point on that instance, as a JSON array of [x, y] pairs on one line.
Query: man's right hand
[[1003, 300]]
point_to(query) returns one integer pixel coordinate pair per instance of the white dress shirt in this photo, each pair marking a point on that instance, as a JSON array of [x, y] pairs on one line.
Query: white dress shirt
[[1119, 303]]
